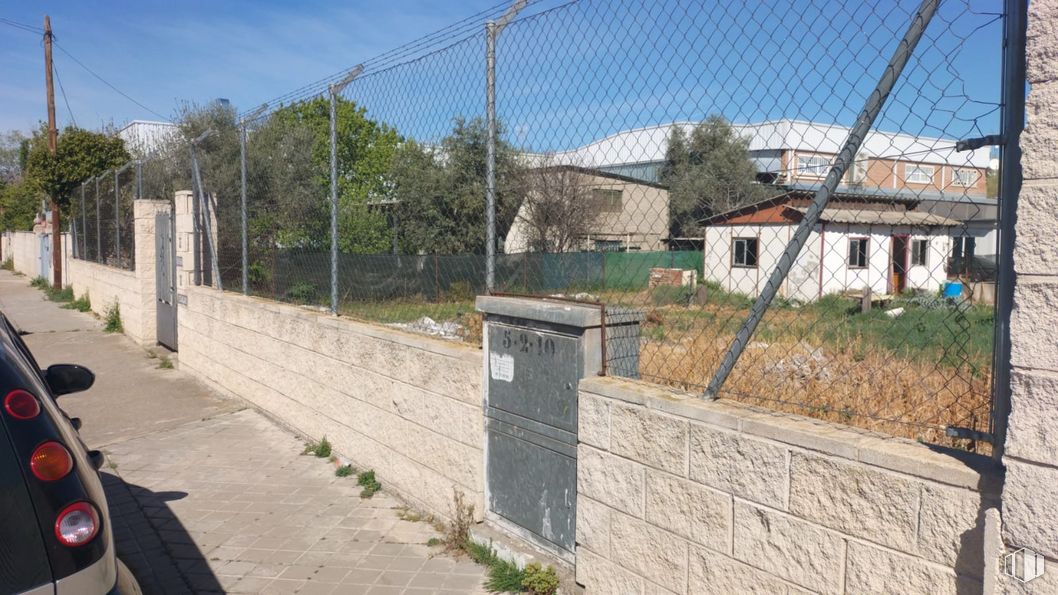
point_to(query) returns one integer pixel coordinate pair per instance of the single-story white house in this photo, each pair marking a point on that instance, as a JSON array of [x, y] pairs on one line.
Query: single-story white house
[[888, 243]]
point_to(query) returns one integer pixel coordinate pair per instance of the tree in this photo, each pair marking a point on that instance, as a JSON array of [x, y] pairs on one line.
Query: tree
[[19, 202], [11, 155], [79, 155], [708, 173], [557, 209], [440, 191]]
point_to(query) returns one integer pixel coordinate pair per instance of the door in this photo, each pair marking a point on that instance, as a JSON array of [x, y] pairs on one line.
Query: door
[[531, 428], [45, 256], [898, 266], [165, 279]]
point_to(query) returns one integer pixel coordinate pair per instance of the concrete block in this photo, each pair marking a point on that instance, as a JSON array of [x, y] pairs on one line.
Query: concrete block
[[616, 482], [1032, 434], [951, 528], [1029, 512], [593, 420], [855, 499], [653, 439], [1033, 342], [711, 572], [1036, 244], [1038, 142], [593, 525], [657, 555], [1041, 47], [601, 577], [872, 570], [688, 509], [789, 548], [748, 468]]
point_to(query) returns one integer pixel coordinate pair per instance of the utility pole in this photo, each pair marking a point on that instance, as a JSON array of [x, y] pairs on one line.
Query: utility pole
[[53, 134]]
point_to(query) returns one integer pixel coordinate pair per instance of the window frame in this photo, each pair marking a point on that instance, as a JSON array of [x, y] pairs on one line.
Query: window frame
[[866, 253], [603, 198], [909, 167], [810, 170], [973, 172], [756, 252], [924, 242]]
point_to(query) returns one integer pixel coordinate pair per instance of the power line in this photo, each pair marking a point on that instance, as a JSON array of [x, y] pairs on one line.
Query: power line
[[55, 69], [107, 83], [22, 26]]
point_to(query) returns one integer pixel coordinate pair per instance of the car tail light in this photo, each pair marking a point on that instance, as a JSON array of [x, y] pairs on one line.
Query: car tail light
[[50, 461], [77, 524], [21, 405]]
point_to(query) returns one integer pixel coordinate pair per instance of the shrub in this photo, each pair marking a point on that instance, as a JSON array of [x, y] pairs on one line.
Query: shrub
[[539, 580], [8, 264], [113, 319], [81, 304], [303, 293], [320, 449], [344, 471], [39, 283], [368, 482]]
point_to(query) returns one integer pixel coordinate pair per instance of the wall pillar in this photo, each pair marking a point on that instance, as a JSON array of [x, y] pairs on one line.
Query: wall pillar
[[145, 257], [1030, 498]]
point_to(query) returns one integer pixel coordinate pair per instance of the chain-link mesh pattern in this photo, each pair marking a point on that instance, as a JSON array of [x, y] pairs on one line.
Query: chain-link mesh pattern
[[102, 220], [656, 157]]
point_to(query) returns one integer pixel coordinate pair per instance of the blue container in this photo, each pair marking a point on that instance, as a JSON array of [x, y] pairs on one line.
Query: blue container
[[953, 289]]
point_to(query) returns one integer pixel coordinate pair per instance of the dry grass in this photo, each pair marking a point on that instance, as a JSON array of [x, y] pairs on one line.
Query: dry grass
[[852, 381]]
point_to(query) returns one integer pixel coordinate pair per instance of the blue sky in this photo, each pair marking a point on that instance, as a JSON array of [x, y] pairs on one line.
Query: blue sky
[[578, 72], [162, 53]]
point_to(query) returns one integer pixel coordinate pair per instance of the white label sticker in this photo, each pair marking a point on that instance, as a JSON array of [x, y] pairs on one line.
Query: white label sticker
[[501, 366]]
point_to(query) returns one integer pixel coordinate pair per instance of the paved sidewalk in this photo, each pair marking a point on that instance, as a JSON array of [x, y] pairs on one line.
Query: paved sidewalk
[[208, 496]]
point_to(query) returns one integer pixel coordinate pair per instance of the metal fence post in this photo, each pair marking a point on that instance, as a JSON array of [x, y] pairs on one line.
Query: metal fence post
[[490, 157], [99, 220], [863, 124], [334, 90], [242, 203], [204, 210], [84, 225], [492, 31], [1012, 122], [117, 216], [139, 180]]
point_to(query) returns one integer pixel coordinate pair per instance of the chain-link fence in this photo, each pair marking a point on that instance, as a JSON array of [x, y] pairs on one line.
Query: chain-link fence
[[778, 190]]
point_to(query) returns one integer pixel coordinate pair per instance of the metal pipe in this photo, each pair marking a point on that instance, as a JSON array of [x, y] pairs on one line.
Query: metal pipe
[[490, 157], [204, 209], [117, 217], [1012, 123], [84, 224], [99, 234], [863, 124], [242, 204], [334, 200]]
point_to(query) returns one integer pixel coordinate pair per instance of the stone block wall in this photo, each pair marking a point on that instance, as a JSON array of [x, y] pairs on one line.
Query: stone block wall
[[23, 247], [1030, 493], [680, 495], [407, 406]]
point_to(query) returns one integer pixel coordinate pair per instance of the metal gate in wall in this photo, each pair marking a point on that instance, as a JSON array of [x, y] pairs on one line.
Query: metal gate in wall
[[45, 256], [165, 279]]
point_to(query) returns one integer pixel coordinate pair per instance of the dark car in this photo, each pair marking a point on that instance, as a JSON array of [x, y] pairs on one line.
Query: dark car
[[55, 534]]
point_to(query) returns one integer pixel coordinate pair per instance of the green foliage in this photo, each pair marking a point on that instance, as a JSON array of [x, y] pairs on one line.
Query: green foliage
[[538, 580], [503, 576], [112, 319], [56, 295], [39, 283], [434, 541], [441, 191], [344, 471], [8, 264], [320, 449], [165, 363], [367, 480], [303, 293], [19, 203], [709, 172], [79, 155], [81, 304]]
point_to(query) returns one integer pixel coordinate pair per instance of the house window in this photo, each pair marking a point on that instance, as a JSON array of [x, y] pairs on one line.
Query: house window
[[813, 165], [609, 201], [858, 253], [919, 251], [964, 177], [962, 255], [918, 174], [744, 253], [609, 246]]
